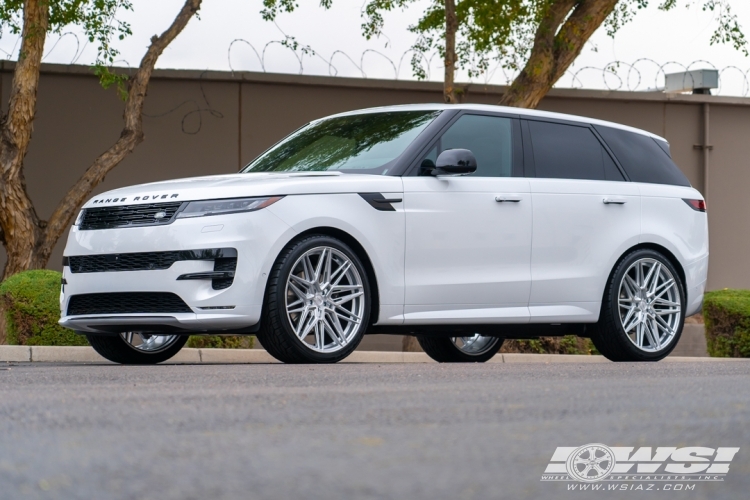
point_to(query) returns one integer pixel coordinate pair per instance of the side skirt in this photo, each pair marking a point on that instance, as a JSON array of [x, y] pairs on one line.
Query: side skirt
[[525, 331]]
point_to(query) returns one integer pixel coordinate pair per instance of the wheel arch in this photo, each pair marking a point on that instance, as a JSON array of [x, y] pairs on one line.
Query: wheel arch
[[650, 246], [357, 247]]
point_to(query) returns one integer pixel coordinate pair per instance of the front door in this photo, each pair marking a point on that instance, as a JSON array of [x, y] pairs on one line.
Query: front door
[[468, 238]]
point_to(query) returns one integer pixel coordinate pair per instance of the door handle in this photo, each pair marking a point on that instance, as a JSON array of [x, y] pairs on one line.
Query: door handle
[[614, 200], [508, 198]]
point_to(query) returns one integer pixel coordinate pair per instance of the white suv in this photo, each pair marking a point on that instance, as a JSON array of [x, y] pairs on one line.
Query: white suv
[[463, 225]]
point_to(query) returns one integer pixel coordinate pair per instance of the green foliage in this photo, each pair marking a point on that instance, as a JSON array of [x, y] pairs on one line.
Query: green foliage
[[97, 19], [31, 301], [727, 319], [221, 342], [570, 344], [503, 31]]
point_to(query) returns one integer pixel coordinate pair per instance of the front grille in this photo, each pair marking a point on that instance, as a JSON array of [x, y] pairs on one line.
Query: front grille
[[129, 215], [123, 262], [126, 303], [145, 261]]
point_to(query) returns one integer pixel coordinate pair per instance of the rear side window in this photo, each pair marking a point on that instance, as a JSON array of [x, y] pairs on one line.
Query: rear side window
[[570, 152], [643, 158]]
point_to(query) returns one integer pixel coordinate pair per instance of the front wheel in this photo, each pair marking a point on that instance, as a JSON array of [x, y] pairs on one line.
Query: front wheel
[[473, 349], [317, 303], [137, 348], [642, 311]]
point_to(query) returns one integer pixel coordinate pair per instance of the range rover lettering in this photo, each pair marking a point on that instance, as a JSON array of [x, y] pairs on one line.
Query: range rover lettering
[[463, 225]]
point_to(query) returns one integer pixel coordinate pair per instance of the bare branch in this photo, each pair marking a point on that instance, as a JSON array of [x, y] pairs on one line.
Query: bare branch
[[131, 136]]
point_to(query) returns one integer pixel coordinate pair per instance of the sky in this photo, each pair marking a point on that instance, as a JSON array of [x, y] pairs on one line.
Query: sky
[[230, 35]]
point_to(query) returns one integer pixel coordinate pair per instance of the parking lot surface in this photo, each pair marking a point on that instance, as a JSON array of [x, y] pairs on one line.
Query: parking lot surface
[[401, 431]]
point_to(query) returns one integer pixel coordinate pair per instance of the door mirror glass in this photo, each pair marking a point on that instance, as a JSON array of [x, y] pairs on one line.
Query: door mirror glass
[[455, 162]]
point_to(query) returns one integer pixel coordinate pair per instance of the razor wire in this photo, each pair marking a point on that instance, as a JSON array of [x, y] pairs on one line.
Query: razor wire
[[643, 74]]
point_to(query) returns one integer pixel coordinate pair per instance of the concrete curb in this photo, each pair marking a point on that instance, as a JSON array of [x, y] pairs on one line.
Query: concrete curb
[[48, 354]]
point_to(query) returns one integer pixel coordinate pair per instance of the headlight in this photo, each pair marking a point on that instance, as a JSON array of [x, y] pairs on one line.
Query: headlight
[[79, 219], [221, 207]]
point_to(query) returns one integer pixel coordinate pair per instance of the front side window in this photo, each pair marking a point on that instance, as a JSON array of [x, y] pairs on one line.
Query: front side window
[[570, 152], [365, 143], [488, 137]]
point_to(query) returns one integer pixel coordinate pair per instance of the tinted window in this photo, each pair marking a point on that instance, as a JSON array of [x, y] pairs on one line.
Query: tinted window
[[364, 143], [642, 157], [570, 152], [490, 138]]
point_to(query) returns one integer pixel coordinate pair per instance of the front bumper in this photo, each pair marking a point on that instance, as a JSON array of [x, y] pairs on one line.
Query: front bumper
[[256, 236]]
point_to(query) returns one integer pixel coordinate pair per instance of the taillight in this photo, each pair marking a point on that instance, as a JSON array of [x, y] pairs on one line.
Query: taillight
[[699, 205]]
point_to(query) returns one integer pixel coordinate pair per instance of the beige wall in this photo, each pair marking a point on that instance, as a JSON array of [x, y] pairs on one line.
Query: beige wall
[[213, 122]]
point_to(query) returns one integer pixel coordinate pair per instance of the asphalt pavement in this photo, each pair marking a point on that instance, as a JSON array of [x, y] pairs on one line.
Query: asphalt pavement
[[349, 431]]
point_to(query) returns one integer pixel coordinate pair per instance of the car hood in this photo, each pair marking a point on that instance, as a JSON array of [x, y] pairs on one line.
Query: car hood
[[242, 185]]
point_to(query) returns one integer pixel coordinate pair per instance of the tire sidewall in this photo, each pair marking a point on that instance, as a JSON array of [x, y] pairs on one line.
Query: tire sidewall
[[285, 270], [614, 308]]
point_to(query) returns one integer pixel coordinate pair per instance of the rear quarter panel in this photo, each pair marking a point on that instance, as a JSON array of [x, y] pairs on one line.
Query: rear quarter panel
[[669, 222]]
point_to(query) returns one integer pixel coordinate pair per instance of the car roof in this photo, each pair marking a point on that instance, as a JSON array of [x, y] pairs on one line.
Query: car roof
[[503, 109]]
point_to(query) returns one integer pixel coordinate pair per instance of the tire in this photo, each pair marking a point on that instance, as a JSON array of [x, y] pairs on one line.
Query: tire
[[327, 333], [627, 304], [457, 350], [117, 349]]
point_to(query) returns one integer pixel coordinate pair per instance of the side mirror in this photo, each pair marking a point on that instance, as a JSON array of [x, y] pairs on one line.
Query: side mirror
[[455, 162]]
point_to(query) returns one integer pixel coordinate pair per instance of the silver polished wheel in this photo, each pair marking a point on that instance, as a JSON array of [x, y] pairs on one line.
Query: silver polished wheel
[[149, 343], [475, 345], [325, 299], [649, 305]]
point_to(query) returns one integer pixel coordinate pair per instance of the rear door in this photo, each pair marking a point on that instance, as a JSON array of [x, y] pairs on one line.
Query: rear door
[[585, 216], [468, 238]]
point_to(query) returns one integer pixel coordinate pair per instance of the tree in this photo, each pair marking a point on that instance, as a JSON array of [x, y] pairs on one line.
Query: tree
[[27, 239], [537, 39]]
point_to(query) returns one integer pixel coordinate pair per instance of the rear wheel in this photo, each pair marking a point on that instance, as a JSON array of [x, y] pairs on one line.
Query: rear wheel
[[137, 348], [642, 311], [317, 302], [472, 349]]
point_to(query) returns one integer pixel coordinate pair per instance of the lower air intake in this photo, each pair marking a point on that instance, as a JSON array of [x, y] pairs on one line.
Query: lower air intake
[[126, 303]]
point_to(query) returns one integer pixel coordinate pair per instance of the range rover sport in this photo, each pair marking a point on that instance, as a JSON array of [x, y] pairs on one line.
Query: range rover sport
[[463, 225]]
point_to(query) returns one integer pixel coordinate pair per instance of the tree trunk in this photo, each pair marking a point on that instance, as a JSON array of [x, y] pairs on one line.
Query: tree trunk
[[451, 26], [559, 39], [19, 224], [28, 241]]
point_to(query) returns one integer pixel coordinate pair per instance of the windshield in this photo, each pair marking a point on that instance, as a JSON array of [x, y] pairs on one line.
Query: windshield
[[366, 143]]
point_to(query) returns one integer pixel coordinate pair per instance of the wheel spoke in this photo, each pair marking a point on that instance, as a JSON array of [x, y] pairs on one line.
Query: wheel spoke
[[305, 323], [665, 312], [300, 281], [347, 298], [635, 321], [332, 333], [319, 267], [665, 302], [651, 277], [639, 335], [340, 273], [653, 340], [299, 293], [307, 266], [664, 325]]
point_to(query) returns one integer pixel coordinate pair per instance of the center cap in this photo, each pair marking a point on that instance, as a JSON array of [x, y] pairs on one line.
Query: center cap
[[318, 299]]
